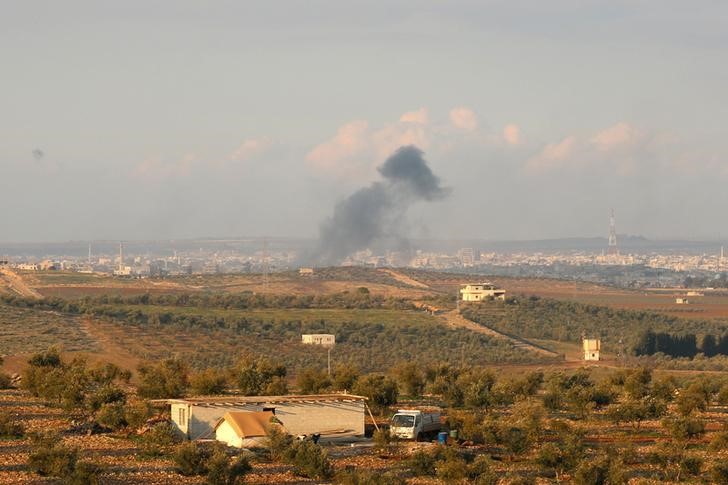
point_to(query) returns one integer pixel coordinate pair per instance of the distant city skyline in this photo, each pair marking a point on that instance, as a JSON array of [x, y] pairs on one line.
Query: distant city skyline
[[169, 120]]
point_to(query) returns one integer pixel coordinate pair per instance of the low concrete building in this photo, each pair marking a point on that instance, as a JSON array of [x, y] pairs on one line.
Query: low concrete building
[[324, 339], [331, 415], [682, 301], [481, 291], [591, 348]]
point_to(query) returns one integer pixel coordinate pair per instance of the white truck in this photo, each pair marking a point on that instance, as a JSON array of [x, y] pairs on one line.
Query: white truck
[[413, 424]]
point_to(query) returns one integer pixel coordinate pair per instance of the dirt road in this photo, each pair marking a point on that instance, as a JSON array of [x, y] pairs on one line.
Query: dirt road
[[454, 319], [402, 278], [16, 284]]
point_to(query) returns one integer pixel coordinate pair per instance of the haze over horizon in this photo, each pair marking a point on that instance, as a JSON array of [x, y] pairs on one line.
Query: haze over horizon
[[141, 120]]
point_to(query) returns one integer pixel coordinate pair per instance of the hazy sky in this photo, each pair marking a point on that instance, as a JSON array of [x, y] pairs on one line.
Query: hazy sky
[[150, 119]]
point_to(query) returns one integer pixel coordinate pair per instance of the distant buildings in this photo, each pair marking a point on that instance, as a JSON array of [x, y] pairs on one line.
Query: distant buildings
[[28, 267], [469, 256], [481, 291]]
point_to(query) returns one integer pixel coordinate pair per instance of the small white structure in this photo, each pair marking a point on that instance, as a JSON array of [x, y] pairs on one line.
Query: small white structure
[[695, 293], [323, 339], [305, 271], [481, 291], [682, 301], [330, 415], [591, 348], [242, 429]]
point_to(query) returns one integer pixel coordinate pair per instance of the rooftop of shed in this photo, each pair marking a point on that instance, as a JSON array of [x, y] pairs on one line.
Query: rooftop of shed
[[233, 400]]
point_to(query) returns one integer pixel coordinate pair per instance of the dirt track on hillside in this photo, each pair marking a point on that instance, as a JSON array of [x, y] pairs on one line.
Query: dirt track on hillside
[[454, 319], [17, 285]]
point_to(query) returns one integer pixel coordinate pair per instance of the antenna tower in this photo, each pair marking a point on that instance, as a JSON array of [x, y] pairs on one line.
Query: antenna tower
[[612, 247]]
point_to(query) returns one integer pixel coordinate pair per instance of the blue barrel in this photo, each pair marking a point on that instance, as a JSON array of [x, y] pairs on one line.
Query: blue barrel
[[442, 437]]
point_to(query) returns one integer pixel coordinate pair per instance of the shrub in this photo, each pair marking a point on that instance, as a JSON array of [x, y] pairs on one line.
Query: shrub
[[451, 467], [9, 428], [723, 395], [409, 378], [190, 459], [384, 442], [356, 477], [381, 391], [50, 457], [106, 394], [309, 460], [111, 416], [719, 441], [136, 413], [253, 376], [279, 442], [313, 381], [168, 379], [277, 386], [422, 463], [691, 465], [223, 471], [515, 439], [345, 377], [83, 474], [451, 471], [159, 439], [481, 471], [719, 473], [684, 428], [592, 472], [208, 382]]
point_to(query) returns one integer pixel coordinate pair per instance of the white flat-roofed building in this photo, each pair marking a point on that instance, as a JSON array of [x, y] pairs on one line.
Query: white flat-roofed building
[[481, 291], [324, 339]]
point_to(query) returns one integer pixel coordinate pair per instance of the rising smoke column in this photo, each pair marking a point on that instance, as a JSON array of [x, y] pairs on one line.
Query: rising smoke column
[[374, 213]]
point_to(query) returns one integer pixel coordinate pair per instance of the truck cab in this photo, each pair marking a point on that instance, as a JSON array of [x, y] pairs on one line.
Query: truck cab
[[412, 424]]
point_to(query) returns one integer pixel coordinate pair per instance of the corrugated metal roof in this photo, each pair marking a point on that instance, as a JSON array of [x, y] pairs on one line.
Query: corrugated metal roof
[[237, 400]]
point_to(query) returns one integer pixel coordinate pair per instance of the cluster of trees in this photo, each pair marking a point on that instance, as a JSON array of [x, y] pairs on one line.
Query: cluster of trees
[[358, 299], [369, 343], [212, 462], [96, 393], [706, 282], [543, 417], [172, 378], [541, 318], [521, 426], [680, 345]]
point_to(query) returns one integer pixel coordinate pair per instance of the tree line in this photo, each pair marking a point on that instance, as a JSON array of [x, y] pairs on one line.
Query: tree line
[[680, 345]]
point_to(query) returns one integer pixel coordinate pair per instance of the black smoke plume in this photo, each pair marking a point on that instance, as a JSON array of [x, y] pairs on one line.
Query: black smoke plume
[[375, 214]]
